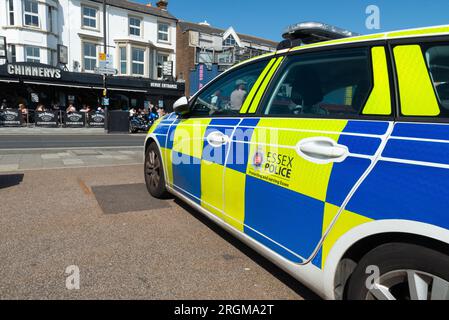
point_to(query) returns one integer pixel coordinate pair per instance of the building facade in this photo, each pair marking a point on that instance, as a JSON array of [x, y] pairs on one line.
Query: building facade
[[69, 34], [206, 51]]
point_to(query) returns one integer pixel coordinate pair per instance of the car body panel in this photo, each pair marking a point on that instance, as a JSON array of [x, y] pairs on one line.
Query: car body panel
[[395, 178]]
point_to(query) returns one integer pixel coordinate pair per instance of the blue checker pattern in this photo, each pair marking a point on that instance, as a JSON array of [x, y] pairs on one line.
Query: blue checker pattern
[[290, 218], [420, 130], [187, 175], [360, 145], [427, 151], [343, 178], [366, 127], [404, 191]]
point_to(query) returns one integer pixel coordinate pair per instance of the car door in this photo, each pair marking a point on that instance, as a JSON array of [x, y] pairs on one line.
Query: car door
[[318, 128], [412, 174], [199, 141]]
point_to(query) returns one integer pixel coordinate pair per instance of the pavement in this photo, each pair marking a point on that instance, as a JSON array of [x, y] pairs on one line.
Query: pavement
[[32, 130], [126, 244], [31, 159]]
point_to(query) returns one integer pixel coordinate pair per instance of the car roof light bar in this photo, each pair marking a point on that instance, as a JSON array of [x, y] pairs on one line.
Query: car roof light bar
[[312, 32]]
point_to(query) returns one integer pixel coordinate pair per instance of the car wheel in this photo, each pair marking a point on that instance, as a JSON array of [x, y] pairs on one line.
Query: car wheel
[[404, 272], [154, 173]]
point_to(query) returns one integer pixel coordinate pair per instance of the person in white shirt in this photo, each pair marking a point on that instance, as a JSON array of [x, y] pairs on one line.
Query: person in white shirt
[[238, 95]]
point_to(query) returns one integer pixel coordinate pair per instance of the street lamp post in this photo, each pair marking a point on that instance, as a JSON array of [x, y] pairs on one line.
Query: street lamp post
[[105, 90]]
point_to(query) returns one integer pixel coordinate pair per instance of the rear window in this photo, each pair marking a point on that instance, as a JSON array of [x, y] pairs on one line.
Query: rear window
[[334, 83], [437, 58]]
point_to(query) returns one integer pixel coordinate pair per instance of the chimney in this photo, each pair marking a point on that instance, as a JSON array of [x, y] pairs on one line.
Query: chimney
[[162, 4]]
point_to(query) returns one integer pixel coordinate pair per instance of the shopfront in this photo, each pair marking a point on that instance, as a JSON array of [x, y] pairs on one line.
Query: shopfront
[[34, 84]]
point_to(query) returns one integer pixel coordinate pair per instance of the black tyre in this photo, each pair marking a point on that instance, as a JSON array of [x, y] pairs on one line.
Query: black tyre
[[154, 172], [406, 272]]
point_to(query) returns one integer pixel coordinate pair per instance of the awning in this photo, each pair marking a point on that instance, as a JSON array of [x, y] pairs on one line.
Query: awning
[[61, 85]]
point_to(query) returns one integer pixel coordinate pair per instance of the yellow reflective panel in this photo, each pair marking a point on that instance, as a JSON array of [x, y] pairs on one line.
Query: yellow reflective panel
[[419, 32], [264, 85], [212, 187], [276, 138], [256, 86], [189, 137], [415, 87], [379, 101], [345, 222], [167, 160], [235, 198]]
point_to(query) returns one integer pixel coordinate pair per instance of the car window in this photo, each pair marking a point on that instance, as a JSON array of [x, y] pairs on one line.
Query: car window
[[437, 58], [226, 95], [331, 83]]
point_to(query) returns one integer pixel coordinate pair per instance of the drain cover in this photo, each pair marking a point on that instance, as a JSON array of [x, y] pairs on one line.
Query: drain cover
[[126, 198]]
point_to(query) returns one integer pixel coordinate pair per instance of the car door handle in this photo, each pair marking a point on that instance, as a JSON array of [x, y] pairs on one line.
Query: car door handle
[[322, 150], [217, 138]]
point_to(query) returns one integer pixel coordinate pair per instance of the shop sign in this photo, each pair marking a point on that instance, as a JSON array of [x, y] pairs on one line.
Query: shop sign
[[33, 71]]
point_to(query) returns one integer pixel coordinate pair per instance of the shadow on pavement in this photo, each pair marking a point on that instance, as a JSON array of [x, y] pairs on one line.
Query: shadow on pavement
[[280, 274], [10, 180]]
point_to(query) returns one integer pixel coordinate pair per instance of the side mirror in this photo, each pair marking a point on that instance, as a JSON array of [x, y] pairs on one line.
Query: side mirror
[[181, 106]]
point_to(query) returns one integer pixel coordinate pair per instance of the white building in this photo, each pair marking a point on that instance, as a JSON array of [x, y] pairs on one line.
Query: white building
[[54, 48], [139, 37]]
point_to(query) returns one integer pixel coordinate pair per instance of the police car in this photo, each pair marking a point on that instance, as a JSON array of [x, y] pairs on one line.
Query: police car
[[330, 157]]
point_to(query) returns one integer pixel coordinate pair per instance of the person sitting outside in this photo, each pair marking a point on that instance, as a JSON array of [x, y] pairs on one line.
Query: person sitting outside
[[238, 95], [40, 108], [85, 109], [24, 112], [132, 112], [71, 108], [161, 112], [4, 105]]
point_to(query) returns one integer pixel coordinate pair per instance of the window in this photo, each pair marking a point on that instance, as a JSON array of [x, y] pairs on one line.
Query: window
[[138, 61], [226, 57], [229, 41], [89, 17], [437, 58], [32, 54], [89, 56], [11, 12], [31, 12], [50, 19], [334, 83], [161, 58], [162, 32], [134, 26], [13, 53], [226, 95], [123, 60]]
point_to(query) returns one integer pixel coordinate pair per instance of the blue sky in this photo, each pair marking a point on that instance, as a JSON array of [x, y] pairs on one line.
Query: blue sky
[[268, 19]]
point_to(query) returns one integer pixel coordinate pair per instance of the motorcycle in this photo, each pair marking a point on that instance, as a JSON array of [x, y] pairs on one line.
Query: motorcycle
[[138, 123]]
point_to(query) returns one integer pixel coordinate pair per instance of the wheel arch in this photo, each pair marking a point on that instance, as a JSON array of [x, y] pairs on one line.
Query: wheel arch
[[353, 245]]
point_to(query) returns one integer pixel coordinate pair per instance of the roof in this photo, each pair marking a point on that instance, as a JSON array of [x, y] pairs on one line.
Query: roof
[[408, 33], [186, 26], [139, 7]]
